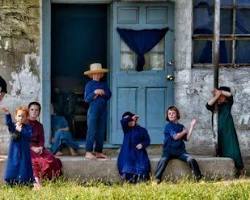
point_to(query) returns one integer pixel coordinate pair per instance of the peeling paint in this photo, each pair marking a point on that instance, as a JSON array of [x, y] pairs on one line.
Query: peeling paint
[[244, 119], [25, 84], [6, 46]]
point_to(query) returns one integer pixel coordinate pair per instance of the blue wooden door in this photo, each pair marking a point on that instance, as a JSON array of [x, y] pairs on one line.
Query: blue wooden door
[[147, 93]]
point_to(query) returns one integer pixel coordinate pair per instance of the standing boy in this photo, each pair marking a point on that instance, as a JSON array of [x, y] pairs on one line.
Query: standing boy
[[97, 95]]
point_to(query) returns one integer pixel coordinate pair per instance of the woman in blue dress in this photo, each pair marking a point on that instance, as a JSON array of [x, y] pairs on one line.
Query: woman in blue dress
[[133, 162], [19, 167], [62, 136]]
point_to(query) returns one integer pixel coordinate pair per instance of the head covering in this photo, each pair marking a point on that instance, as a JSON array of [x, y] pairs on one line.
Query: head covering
[[128, 114], [95, 68], [225, 88], [3, 85]]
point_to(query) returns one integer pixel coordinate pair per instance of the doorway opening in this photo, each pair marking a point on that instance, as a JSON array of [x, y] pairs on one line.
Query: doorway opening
[[78, 38]]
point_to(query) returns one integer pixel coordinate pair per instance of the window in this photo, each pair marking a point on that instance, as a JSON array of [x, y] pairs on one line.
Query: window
[[154, 59], [234, 32]]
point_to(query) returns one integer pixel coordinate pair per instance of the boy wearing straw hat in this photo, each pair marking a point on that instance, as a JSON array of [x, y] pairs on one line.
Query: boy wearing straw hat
[[96, 94]]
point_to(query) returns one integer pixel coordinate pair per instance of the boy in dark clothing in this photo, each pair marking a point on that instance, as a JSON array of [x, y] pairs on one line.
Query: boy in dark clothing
[[96, 94]]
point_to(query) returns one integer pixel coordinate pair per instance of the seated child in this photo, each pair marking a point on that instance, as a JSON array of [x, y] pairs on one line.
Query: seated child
[[19, 167], [62, 136], [133, 162], [174, 146]]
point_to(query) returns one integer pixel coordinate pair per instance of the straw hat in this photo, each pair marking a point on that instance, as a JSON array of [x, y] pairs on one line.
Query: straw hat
[[95, 68]]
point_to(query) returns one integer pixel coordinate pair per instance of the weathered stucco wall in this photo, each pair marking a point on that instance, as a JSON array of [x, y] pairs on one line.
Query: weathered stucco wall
[[193, 89], [19, 56]]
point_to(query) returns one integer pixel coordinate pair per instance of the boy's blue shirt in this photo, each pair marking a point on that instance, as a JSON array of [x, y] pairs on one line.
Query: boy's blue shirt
[[170, 144], [89, 94]]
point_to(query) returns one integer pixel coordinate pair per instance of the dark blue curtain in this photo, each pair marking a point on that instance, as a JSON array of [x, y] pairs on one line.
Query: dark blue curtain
[[141, 41]]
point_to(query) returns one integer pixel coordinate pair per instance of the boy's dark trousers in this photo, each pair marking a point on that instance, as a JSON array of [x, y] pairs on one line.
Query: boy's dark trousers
[[162, 164], [96, 121]]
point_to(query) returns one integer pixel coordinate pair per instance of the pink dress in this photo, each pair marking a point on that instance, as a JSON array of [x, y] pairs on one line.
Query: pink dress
[[45, 165]]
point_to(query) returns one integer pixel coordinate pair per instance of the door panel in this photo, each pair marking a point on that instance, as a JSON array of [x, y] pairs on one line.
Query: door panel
[[147, 93]]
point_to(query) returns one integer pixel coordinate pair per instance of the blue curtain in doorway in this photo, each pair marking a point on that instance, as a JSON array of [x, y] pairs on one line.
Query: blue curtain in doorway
[[141, 41]]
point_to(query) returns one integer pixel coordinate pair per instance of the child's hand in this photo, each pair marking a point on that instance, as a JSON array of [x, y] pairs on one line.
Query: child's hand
[[99, 92], [5, 110], [193, 122], [135, 117], [139, 146], [217, 92], [18, 127]]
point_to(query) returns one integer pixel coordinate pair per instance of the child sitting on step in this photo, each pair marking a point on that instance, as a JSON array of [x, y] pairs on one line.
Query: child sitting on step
[[174, 147], [133, 162]]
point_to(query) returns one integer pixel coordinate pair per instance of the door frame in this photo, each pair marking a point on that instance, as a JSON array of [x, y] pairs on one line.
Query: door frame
[[45, 55]]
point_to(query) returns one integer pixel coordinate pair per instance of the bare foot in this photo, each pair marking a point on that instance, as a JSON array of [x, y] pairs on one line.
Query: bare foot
[[101, 156], [90, 156], [37, 186]]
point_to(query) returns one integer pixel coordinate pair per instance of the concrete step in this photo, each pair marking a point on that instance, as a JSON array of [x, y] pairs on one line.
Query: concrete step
[[78, 168]]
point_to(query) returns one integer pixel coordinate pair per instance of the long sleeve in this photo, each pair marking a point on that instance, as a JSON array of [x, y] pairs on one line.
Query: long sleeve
[[124, 124], [89, 93], [146, 139], [9, 123], [107, 92], [26, 131], [211, 108], [41, 137]]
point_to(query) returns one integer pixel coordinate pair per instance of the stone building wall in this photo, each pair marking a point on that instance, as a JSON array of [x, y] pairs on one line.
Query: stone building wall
[[19, 55], [193, 89]]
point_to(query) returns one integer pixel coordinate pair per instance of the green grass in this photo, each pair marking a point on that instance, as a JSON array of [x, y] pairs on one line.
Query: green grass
[[237, 189]]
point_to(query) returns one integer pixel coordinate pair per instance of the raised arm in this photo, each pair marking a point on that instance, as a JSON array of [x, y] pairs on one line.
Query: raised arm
[[180, 135], [124, 123], [8, 120], [217, 94], [192, 125]]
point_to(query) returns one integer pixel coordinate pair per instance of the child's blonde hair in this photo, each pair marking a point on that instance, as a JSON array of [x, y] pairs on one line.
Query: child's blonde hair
[[24, 109]]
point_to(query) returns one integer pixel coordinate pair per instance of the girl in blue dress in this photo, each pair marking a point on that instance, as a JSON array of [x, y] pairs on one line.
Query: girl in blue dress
[[19, 167], [133, 162], [174, 146]]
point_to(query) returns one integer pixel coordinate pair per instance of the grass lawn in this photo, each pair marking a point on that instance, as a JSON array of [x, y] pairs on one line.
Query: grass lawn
[[236, 189]]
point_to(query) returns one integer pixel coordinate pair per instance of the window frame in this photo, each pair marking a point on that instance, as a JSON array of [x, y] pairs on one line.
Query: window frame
[[233, 37]]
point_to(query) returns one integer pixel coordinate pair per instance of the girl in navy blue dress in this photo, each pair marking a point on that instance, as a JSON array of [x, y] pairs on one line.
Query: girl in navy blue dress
[[174, 147], [19, 168], [133, 162]]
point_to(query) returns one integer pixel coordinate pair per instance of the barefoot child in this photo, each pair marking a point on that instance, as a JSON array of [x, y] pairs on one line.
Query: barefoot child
[[96, 95], [133, 162], [228, 144], [174, 147], [19, 167]]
